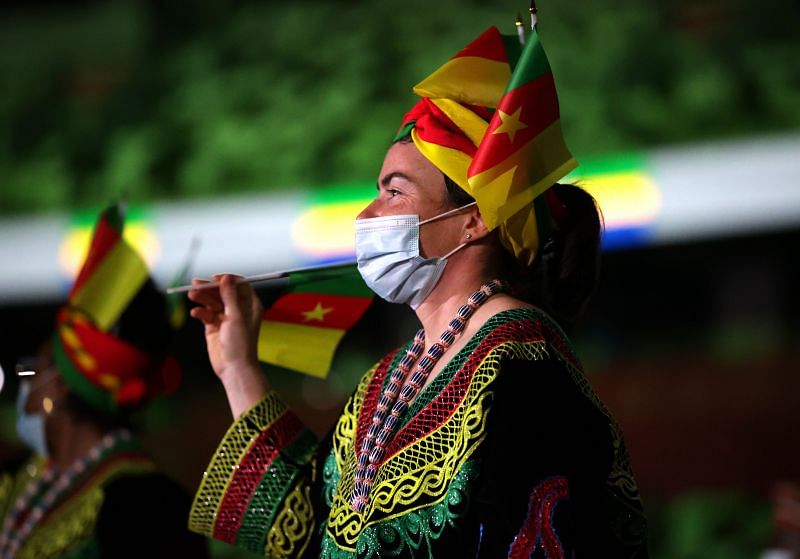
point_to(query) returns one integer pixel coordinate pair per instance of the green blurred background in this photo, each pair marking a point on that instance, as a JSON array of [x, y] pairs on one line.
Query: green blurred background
[[184, 99], [191, 98]]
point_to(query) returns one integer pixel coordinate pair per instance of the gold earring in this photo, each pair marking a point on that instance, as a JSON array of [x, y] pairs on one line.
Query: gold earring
[[468, 235], [47, 405]]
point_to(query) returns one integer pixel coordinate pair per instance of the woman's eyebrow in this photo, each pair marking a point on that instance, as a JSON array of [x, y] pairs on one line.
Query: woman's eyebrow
[[384, 182]]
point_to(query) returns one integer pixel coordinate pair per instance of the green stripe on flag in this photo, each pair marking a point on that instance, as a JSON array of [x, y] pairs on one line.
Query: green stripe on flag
[[344, 280], [532, 63]]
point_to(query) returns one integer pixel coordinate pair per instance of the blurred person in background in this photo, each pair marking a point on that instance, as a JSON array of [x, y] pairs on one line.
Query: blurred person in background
[[89, 489], [481, 437], [785, 542]]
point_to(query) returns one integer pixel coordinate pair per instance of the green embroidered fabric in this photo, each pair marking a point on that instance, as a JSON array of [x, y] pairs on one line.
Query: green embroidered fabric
[[411, 533]]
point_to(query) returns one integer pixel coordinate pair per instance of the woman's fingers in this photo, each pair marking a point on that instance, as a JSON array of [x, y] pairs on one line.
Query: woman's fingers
[[209, 297], [233, 294], [232, 299], [205, 315], [256, 310]]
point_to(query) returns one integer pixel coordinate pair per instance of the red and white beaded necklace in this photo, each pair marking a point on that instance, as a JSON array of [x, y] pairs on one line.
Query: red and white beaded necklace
[[400, 392], [54, 487]]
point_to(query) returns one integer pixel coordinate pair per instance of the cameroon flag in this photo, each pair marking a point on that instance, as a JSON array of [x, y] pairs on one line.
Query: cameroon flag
[[451, 119], [523, 150], [119, 368], [112, 274], [302, 329], [489, 119], [485, 64]]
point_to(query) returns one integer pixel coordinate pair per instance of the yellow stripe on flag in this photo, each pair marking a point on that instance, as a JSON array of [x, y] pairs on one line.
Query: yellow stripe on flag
[[473, 126], [106, 294], [487, 81], [520, 235], [307, 349], [504, 189], [452, 162]]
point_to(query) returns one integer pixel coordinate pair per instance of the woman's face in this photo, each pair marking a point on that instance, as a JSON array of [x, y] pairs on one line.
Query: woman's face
[[410, 184], [46, 384]]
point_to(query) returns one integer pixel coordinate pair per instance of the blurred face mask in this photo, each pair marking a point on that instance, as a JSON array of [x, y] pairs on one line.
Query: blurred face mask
[[387, 252], [30, 426]]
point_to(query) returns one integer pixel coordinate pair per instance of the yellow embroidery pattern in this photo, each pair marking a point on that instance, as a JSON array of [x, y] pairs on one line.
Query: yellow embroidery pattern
[[74, 524], [74, 521], [229, 454], [420, 474], [6, 487], [291, 531]]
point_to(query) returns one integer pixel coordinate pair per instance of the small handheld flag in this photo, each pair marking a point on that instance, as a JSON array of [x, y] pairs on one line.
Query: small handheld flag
[[303, 328]]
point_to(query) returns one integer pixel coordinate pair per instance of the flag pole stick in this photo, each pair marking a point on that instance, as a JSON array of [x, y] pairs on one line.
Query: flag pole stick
[[261, 277], [520, 29], [533, 10]]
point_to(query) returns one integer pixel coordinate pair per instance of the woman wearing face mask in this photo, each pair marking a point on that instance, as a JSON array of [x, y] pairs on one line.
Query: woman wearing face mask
[[89, 489], [480, 437]]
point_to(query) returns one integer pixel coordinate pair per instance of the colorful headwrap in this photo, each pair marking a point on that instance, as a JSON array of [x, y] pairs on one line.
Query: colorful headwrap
[[489, 120], [110, 341]]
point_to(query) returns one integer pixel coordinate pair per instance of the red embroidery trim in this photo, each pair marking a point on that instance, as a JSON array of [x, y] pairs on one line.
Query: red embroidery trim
[[444, 404], [251, 469], [371, 397], [538, 531]]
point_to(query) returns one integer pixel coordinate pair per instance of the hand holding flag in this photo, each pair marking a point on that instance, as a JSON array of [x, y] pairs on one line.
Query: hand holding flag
[[300, 331]]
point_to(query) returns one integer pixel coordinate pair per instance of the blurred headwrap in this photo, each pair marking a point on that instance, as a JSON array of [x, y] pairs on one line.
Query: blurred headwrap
[[489, 120], [112, 336]]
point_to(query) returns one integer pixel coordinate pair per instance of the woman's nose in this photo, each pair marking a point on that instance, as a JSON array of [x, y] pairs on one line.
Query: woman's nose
[[370, 211]]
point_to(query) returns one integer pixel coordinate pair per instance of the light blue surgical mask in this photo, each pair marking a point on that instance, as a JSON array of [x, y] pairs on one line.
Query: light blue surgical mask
[[30, 426], [387, 253]]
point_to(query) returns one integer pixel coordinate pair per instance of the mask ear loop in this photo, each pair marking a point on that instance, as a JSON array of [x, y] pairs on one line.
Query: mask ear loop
[[447, 213], [455, 250]]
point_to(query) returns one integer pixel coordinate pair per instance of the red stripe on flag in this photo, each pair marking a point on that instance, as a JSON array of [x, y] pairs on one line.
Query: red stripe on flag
[[104, 239], [249, 472], [488, 45], [318, 310], [539, 105], [435, 127]]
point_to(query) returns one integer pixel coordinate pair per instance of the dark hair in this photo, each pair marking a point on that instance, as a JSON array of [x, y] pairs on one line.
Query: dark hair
[[566, 269]]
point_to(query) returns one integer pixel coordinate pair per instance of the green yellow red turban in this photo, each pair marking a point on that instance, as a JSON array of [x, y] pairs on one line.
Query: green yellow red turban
[[103, 336], [489, 120]]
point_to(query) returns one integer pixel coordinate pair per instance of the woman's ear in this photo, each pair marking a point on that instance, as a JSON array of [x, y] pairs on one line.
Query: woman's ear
[[475, 228]]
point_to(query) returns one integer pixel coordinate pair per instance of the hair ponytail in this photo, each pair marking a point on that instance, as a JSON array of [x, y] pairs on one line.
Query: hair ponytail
[[566, 270]]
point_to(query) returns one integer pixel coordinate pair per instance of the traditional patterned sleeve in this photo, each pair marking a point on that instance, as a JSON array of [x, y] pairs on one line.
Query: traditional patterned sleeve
[[256, 492], [555, 480]]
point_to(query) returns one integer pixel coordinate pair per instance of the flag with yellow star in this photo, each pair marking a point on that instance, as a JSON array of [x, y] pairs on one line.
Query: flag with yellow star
[[303, 328], [489, 119], [523, 150]]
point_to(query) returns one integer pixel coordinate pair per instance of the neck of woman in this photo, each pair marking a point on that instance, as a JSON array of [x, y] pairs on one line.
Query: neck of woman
[[72, 439], [461, 278]]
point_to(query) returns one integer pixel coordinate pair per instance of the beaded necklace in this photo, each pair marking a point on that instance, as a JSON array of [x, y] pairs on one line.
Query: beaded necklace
[[51, 488], [400, 392]]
